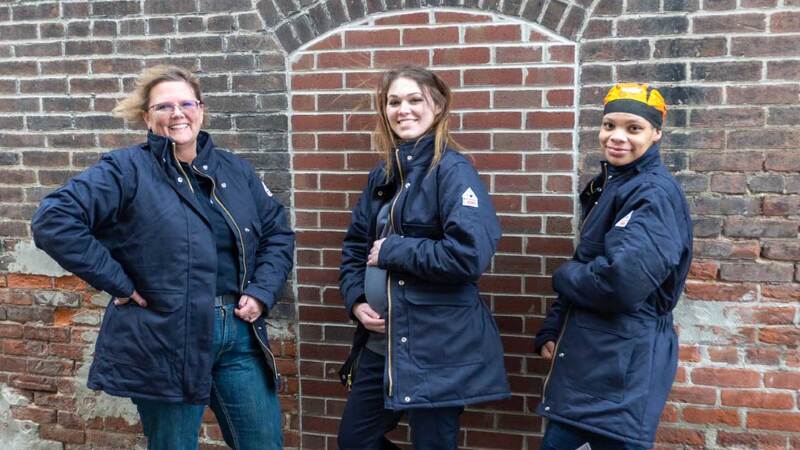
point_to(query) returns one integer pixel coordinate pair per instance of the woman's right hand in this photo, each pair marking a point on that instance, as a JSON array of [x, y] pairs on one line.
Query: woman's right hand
[[371, 319], [119, 301], [547, 350]]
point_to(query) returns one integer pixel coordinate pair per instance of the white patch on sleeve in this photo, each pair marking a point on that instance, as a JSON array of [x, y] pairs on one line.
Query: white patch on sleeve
[[624, 221], [266, 189], [468, 198]]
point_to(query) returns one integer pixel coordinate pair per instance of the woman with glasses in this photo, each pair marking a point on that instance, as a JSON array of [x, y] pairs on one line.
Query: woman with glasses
[[194, 249]]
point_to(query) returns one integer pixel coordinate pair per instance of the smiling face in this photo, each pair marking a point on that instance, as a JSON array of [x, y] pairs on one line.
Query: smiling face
[[409, 110], [181, 125], [625, 137]]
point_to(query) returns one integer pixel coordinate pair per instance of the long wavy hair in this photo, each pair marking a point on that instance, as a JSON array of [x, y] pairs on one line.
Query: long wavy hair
[[432, 87]]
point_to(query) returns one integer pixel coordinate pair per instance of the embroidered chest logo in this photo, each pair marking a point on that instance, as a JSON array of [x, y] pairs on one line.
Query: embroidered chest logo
[[624, 221], [468, 198]]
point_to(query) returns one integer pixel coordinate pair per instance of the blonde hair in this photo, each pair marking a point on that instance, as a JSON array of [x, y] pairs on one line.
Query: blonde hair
[[134, 106], [437, 90]]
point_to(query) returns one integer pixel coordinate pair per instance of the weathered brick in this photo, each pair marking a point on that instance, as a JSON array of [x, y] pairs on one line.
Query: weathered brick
[[616, 50], [690, 48], [756, 272]]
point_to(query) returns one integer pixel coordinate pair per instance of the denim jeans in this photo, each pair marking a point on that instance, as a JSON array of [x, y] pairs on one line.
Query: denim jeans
[[242, 397], [365, 421], [560, 436]]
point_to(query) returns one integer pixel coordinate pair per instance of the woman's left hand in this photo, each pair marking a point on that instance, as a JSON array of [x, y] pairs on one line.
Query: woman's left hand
[[372, 259], [249, 309]]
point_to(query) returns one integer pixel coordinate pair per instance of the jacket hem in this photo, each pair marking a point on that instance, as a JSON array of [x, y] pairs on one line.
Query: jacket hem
[[600, 431], [132, 395], [448, 403]]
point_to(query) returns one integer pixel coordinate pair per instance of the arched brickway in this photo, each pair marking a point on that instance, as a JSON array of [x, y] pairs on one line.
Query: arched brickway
[[514, 110]]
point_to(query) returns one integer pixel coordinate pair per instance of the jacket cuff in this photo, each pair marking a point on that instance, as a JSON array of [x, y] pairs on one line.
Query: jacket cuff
[[541, 339], [263, 296]]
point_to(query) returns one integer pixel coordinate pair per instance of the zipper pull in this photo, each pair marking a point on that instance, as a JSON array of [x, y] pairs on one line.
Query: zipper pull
[[349, 384]]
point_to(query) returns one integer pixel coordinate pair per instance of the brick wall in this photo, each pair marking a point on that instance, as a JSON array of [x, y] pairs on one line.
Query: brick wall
[[529, 77]]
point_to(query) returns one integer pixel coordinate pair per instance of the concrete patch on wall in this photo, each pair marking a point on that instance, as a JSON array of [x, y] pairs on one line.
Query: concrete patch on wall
[[19, 434], [91, 404], [26, 258], [705, 322]]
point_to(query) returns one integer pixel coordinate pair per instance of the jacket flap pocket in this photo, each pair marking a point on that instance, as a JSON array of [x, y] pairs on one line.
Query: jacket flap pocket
[[425, 293], [163, 300], [620, 325], [423, 230]]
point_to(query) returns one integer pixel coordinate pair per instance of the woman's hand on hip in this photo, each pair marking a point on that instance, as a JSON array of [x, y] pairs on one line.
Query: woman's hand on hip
[[119, 301], [547, 349], [371, 319], [372, 259], [249, 309]]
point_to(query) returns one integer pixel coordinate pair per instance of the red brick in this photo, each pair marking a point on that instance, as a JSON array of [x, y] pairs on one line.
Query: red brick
[[305, 62], [689, 354], [461, 56], [343, 60], [362, 80], [520, 224], [330, 42], [61, 434], [561, 53], [372, 38], [541, 204], [548, 162], [680, 436], [703, 270], [29, 281], [497, 161], [492, 77], [709, 416], [725, 377], [560, 98], [517, 183], [343, 141], [317, 81], [416, 18], [728, 355], [484, 120], [751, 440], [755, 399], [458, 17], [538, 120], [316, 239], [430, 36], [693, 395], [765, 315], [782, 380], [492, 33], [719, 291], [783, 292], [774, 421], [471, 100], [389, 58], [38, 415], [505, 55], [548, 76], [518, 99], [765, 356], [317, 122]]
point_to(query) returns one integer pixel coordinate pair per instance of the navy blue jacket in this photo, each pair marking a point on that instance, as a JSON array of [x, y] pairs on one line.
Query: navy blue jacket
[[443, 347], [132, 222], [617, 351]]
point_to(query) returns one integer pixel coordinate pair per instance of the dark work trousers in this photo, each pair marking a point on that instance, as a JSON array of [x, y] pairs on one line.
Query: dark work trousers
[[560, 436], [365, 421]]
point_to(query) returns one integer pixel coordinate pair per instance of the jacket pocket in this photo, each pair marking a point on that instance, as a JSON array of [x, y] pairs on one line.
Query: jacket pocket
[[445, 324], [596, 353]]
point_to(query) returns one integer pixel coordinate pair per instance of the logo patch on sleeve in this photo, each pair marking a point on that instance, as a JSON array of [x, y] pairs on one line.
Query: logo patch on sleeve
[[468, 198], [266, 189], [624, 221]]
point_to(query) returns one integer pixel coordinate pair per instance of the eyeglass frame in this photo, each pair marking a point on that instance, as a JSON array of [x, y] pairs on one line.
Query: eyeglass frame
[[197, 105]]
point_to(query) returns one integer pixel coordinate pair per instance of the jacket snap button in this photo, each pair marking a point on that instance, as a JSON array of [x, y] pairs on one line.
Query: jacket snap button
[[246, 230], [205, 167], [224, 185], [403, 339], [180, 179], [380, 193], [407, 399], [401, 283], [599, 189], [408, 185], [547, 408], [561, 355], [409, 157], [610, 177]]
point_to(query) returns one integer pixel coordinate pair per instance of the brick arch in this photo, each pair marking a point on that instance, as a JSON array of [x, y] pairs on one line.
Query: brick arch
[[295, 26], [514, 109]]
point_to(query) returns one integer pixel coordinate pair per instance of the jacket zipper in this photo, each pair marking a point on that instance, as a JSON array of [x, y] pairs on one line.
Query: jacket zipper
[[180, 167], [268, 353], [230, 216], [569, 308], [389, 277]]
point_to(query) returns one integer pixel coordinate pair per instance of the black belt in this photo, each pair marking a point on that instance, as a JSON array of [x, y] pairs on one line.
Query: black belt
[[227, 299]]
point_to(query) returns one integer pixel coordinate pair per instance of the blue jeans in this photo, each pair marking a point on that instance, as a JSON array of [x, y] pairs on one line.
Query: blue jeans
[[242, 397], [365, 421], [560, 436]]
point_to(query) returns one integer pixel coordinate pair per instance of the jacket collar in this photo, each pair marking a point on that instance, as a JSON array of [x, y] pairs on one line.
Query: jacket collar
[[161, 147], [416, 153], [651, 158]]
